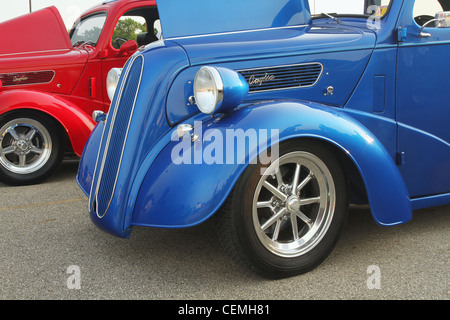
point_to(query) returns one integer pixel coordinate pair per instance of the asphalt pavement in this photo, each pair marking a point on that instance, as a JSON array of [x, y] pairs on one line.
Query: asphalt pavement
[[50, 250]]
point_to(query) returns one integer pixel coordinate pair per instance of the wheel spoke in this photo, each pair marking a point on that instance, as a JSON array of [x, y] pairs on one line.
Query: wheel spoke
[[275, 191], [304, 182], [305, 202], [273, 218], [22, 160], [36, 150], [304, 218], [276, 232], [30, 134], [8, 150], [263, 204], [294, 226], [13, 133], [296, 177]]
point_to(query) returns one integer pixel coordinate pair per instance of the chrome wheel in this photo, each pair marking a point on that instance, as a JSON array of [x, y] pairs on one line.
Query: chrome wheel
[[293, 204], [287, 220], [25, 146], [32, 146]]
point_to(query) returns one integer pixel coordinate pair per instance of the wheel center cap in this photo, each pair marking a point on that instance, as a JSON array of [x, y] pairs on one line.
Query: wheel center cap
[[293, 204], [22, 145]]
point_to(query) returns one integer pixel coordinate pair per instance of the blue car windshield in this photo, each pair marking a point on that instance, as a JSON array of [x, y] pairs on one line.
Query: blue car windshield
[[349, 7], [181, 18]]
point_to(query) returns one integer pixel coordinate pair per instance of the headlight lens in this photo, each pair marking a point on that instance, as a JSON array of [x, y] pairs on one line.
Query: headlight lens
[[208, 89], [111, 81]]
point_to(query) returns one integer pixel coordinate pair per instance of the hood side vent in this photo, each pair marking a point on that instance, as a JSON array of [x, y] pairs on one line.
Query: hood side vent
[[282, 77], [23, 78]]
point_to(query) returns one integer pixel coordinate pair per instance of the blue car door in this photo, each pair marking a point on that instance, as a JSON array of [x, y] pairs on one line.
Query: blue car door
[[423, 104]]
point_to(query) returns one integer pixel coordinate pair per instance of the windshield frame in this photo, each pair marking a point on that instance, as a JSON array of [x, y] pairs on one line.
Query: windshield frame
[[84, 19]]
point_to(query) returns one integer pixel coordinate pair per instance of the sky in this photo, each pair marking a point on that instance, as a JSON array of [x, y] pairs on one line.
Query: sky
[[70, 10]]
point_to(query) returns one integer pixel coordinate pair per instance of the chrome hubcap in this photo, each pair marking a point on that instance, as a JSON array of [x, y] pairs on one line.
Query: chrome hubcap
[[293, 204], [25, 146]]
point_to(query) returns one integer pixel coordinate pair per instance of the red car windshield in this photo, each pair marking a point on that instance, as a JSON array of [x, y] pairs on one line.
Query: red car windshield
[[88, 29]]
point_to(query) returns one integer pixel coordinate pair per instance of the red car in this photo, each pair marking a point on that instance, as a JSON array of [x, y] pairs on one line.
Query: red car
[[51, 81]]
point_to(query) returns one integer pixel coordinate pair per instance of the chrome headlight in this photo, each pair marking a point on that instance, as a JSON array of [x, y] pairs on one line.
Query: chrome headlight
[[208, 89], [112, 80], [218, 89]]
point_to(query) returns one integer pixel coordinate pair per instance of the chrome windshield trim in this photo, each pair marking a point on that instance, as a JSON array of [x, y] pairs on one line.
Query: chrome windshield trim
[[235, 32]]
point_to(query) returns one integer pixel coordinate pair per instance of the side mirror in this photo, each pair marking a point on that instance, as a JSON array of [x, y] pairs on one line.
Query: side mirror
[[98, 116], [128, 47], [443, 19], [157, 29]]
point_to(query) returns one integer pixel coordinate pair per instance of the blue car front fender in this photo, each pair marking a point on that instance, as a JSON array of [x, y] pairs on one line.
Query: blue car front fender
[[173, 193]]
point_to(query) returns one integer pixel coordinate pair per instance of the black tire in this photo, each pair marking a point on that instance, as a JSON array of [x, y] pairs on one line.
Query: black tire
[[259, 238], [32, 146]]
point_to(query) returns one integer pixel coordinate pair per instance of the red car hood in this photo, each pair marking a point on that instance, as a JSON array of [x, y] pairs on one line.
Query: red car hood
[[39, 31]]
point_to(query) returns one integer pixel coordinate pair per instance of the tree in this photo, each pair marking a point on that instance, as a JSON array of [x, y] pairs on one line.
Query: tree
[[127, 28]]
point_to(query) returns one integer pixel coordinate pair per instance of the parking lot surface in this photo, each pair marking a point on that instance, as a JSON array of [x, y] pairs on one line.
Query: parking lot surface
[[51, 250]]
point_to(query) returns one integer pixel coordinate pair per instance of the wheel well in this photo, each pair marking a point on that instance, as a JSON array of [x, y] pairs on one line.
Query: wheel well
[[355, 184], [58, 125]]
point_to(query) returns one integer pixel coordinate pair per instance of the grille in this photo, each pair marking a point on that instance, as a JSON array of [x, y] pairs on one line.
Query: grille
[[34, 77], [114, 138], [282, 77]]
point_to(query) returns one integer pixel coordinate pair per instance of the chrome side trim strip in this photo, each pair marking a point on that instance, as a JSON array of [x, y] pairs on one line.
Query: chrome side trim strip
[[33, 52]]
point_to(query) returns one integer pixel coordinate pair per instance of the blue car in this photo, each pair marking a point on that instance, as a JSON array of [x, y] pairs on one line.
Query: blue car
[[272, 117]]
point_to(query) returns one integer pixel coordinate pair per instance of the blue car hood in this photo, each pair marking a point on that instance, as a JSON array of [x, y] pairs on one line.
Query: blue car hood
[[276, 43], [181, 18]]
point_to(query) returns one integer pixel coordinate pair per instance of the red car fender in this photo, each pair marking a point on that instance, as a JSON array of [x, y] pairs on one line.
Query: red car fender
[[75, 121]]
